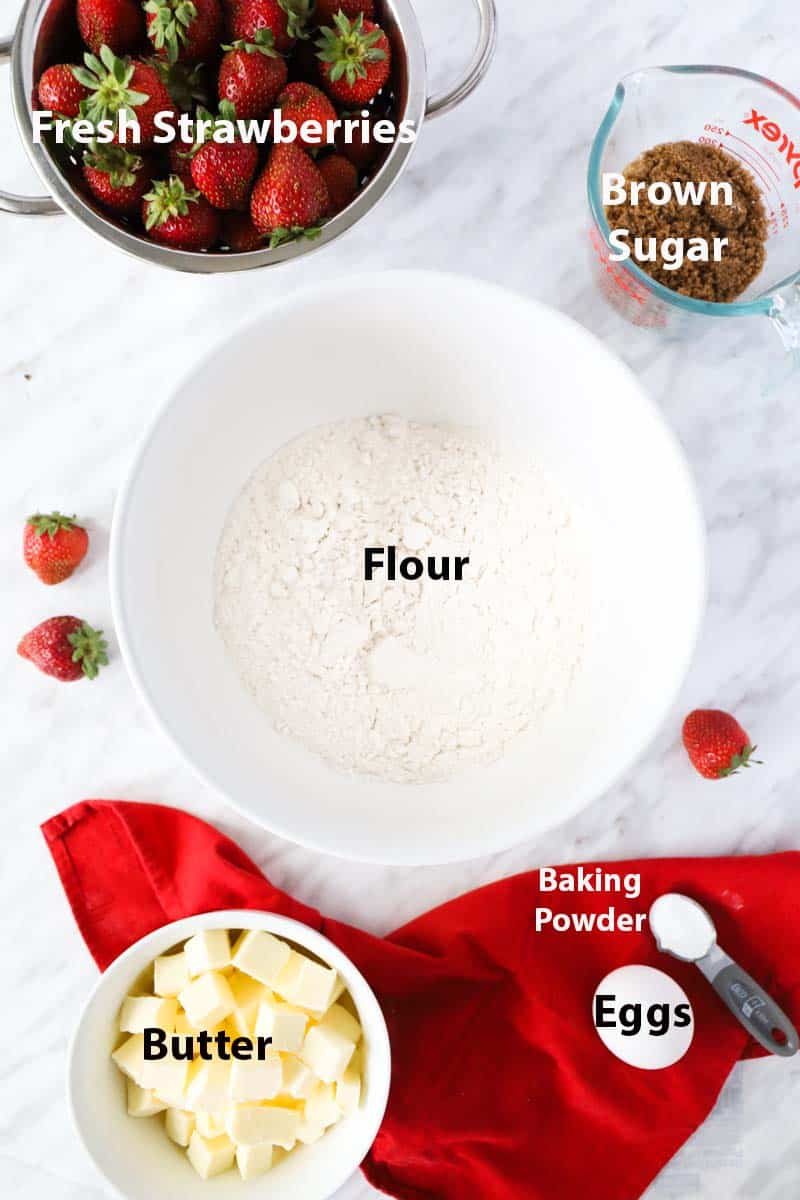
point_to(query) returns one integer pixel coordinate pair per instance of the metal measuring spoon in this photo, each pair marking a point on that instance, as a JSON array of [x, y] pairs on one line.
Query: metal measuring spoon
[[683, 928]]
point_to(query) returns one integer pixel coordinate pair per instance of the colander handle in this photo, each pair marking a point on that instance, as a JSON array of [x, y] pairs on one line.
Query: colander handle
[[481, 59], [37, 206]]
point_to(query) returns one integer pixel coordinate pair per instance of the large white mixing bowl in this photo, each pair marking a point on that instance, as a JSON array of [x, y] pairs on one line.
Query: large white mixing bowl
[[431, 348]]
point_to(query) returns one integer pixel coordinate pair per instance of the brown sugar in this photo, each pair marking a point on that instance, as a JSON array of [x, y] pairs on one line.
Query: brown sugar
[[743, 223]]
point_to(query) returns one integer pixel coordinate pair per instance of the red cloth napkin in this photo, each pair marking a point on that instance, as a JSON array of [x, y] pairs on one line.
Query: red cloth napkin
[[501, 1087]]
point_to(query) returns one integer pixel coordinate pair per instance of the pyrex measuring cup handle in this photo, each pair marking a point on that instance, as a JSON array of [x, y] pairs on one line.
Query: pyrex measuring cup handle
[[484, 53], [752, 1006], [785, 316], [28, 205]]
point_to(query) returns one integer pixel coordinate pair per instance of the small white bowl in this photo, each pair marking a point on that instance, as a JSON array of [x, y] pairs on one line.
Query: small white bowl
[[432, 348], [136, 1157]]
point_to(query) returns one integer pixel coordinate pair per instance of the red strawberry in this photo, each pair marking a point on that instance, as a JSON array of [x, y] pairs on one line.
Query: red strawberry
[[716, 743], [54, 545], [301, 102], [117, 24], [117, 84], [180, 218], [356, 59], [66, 648], [189, 30], [290, 196], [362, 150], [285, 19], [326, 10], [117, 178], [224, 171], [341, 180], [239, 232], [251, 75], [60, 92]]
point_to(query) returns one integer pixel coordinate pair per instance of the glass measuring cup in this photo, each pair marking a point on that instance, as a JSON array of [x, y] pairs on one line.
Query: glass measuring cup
[[752, 119]]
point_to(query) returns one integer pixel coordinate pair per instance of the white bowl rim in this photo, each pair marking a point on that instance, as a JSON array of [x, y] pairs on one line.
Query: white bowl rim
[[498, 840], [380, 1054]]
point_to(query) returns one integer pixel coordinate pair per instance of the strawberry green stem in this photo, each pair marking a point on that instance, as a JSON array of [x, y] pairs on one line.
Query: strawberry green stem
[[170, 25], [347, 49], [168, 199], [51, 523], [108, 80], [89, 648]]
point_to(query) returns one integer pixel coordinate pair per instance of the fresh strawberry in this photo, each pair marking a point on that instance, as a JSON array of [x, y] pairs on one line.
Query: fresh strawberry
[[326, 10], [360, 147], [251, 75], [285, 19], [301, 102], [224, 171], [341, 180], [54, 545], [180, 218], [356, 59], [66, 648], [189, 30], [117, 24], [118, 83], [60, 92], [240, 234], [117, 178], [716, 743], [290, 196]]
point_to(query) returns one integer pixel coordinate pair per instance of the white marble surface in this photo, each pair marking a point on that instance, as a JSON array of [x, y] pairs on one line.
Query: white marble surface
[[90, 343]]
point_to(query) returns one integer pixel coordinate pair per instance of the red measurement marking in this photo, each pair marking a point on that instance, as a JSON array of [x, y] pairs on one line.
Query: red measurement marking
[[621, 279], [757, 153]]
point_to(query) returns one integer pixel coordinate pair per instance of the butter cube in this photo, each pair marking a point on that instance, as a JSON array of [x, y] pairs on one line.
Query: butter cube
[[327, 1053], [308, 1133], [248, 995], [338, 1018], [284, 1024], [142, 1102], [321, 1107], [183, 1025], [208, 1087], [129, 1057], [179, 1126], [209, 950], [348, 1090], [207, 1000], [256, 1079], [249, 1124], [261, 955], [253, 1161], [171, 974], [147, 1012], [167, 1077], [210, 1156], [307, 984], [210, 1125], [298, 1079]]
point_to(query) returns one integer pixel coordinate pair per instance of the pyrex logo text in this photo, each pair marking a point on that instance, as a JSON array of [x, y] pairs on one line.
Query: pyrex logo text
[[773, 133]]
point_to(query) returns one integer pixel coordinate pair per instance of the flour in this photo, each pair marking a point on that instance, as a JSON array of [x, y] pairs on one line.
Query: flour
[[412, 680]]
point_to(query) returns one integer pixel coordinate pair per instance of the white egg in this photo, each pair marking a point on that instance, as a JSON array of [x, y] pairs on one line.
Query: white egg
[[643, 1017]]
